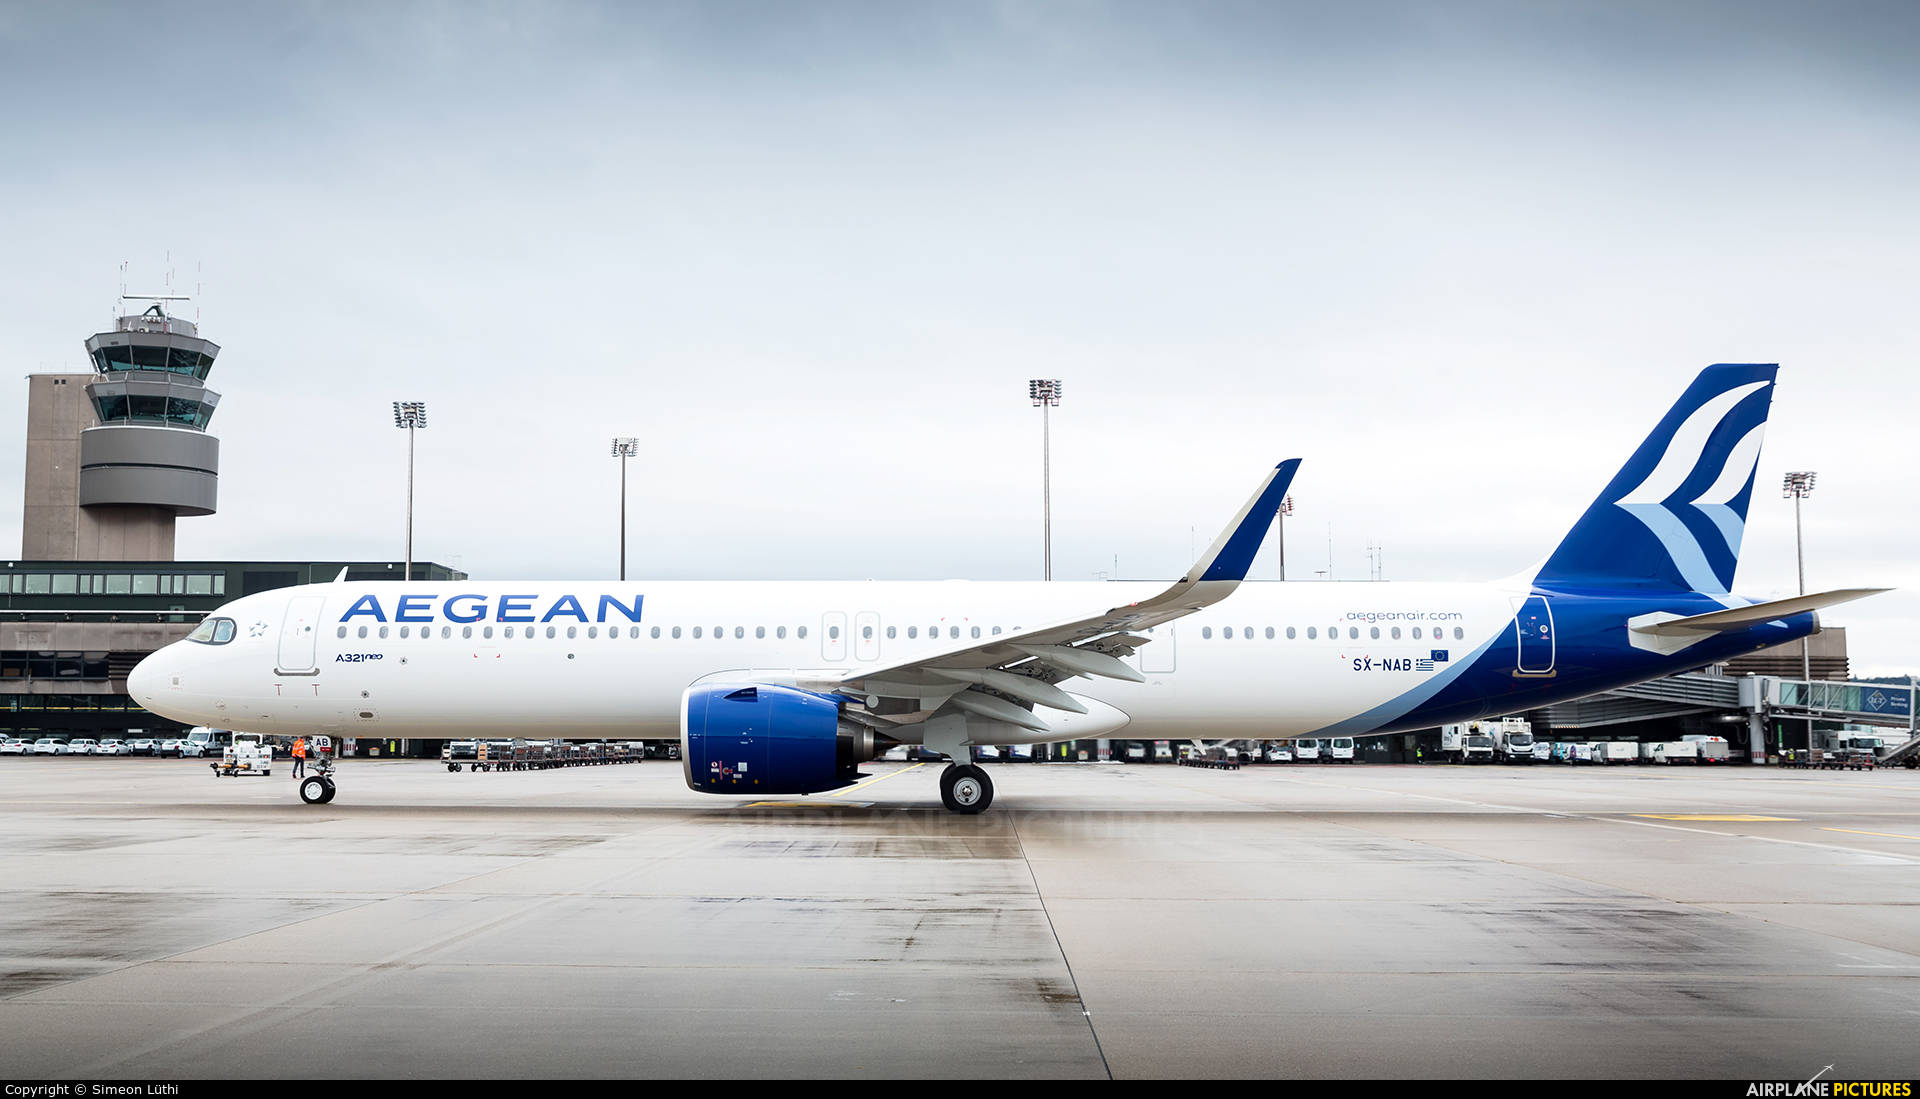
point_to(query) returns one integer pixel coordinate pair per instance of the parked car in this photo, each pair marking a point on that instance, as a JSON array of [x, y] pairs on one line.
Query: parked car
[[50, 746], [82, 746], [169, 746], [14, 746], [142, 745], [113, 748], [1280, 753]]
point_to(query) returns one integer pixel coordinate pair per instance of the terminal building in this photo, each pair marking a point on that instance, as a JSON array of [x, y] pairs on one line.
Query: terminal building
[[114, 458]]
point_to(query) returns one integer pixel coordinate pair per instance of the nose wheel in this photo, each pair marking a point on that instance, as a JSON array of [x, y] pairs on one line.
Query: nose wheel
[[318, 788], [965, 788]]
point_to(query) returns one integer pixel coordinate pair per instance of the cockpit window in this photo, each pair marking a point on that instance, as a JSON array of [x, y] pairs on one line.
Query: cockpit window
[[213, 631]]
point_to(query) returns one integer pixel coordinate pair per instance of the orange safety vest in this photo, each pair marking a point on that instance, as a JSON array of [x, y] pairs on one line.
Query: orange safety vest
[[299, 749]]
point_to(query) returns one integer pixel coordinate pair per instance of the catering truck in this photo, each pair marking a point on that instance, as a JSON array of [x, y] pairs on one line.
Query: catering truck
[[1466, 742]]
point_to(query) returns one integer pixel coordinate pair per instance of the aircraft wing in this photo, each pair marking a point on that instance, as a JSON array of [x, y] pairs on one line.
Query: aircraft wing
[[1003, 677]]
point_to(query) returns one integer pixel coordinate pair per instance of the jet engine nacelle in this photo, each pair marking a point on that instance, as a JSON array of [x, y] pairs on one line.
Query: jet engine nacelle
[[762, 739]]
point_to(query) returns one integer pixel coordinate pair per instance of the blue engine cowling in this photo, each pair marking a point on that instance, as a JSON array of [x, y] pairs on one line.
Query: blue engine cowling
[[763, 739]]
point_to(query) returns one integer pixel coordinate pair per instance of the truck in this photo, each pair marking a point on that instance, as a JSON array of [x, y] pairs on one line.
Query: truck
[[244, 754], [1673, 751], [1711, 749], [1854, 739], [1616, 751], [1512, 740], [1466, 742]]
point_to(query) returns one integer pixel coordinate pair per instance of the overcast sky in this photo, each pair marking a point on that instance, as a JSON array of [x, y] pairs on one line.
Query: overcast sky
[[1458, 257]]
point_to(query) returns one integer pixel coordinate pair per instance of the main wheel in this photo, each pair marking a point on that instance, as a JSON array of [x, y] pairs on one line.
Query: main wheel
[[315, 790], [966, 788], [328, 796]]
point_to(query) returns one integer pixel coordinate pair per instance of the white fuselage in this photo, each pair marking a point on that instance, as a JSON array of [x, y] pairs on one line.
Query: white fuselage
[[533, 663]]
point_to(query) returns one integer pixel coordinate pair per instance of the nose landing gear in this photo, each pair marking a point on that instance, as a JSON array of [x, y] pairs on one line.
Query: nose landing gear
[[317, 788], [965, 788]]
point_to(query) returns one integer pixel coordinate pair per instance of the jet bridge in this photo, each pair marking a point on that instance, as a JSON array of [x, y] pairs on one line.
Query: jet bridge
[[1879, 704]]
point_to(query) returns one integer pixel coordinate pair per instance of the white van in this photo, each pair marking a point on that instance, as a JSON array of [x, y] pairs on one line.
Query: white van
[[1306, 750], [1340, 749], [1675, 751]]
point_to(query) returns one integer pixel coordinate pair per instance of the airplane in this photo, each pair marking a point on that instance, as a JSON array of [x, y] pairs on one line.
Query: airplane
[[783, 688]]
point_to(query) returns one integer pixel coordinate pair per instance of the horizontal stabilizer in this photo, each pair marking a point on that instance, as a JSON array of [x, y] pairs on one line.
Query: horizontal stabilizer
[[1740, 617]]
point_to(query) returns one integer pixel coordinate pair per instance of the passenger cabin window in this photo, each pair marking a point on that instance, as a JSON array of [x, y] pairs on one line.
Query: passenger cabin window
[[1290, 634], [780, 631], [996, 631], [1206, 632], [341, 632], [1375, 631], [892, 632], [976, 631], [912, 632], [800, 632], [739, 633], [833, 633], [363, 631], [1311, 634], [1269, 633], [1396, 633], [466, 632], [1459, 633], [676, 633], [696, 633], [759, 633]]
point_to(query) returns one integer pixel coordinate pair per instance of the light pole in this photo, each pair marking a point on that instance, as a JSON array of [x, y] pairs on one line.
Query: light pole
[[624, 449], [1045, 393], [1799, 486], [411, 415], [1280, 528]]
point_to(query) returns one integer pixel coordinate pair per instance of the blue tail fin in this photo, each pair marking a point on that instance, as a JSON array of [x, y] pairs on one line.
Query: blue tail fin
[[1672, 518]]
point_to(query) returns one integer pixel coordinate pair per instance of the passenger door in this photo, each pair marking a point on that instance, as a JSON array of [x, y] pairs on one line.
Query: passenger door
[[1533, 630], [866, 637], [299, 634]]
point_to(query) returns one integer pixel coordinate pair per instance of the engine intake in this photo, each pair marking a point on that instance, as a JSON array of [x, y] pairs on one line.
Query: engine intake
[[766, 739]]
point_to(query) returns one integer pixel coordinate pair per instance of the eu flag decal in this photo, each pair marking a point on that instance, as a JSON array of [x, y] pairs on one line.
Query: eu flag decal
[[1440, 656]]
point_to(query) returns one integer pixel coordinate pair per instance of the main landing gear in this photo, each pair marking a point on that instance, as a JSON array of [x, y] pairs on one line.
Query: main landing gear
[[965, 788]]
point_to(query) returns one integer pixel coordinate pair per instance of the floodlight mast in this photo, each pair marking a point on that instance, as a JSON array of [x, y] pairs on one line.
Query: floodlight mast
[[623, 449], [411, 415], [1280, 529], [1797, 486], [1045, 394]]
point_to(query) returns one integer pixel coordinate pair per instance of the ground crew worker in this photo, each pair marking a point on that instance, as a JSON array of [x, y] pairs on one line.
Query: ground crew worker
[[299, 756]]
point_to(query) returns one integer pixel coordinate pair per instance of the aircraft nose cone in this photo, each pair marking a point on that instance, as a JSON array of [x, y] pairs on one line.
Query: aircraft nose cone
[[143, 682]]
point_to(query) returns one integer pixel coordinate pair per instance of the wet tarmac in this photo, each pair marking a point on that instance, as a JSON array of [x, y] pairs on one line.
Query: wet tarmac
[[1101, 920]]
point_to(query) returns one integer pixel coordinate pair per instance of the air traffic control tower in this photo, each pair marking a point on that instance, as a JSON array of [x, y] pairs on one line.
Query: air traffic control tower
[[113, 459]]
